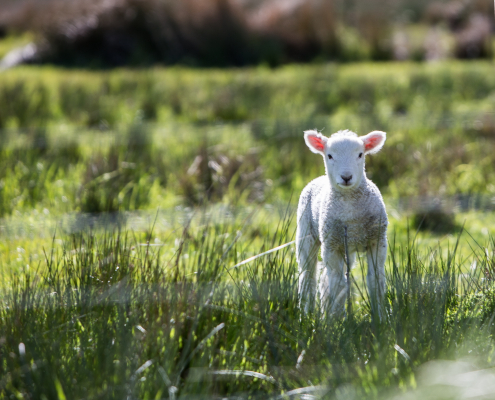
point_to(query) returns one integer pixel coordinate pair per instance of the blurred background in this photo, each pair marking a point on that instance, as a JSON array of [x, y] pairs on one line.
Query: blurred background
[[92, 33], [122, 105]]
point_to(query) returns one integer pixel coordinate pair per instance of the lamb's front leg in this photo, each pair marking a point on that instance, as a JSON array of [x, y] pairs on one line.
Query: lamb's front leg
[[377, 255], [307, 248], [332, 281]]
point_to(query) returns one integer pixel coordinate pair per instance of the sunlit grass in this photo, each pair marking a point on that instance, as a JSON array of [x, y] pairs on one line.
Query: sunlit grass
[[127, 197], [160, 309], [245, 125], [25, 237], [12, 42]]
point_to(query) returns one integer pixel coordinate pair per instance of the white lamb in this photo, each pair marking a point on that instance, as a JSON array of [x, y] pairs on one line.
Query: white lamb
[[345, 197]]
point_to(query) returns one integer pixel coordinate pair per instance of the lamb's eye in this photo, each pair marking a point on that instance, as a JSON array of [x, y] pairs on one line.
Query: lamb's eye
[[360, 155], [330, 157]]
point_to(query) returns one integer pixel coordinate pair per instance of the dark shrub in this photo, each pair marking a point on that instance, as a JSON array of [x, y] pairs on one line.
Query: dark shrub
[[435, 220]]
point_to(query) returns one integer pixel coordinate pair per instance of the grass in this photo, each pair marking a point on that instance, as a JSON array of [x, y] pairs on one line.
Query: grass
[[109, 316], [103, 296], [103, 135]]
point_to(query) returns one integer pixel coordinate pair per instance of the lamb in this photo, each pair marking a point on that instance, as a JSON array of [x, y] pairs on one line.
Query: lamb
[[343, 199]]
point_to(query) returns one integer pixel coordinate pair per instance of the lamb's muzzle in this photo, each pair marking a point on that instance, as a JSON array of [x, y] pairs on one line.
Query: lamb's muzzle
[[344, 197], [346, 179]]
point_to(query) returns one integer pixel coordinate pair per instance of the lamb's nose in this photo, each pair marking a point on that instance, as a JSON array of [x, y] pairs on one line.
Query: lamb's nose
[[346, 178]]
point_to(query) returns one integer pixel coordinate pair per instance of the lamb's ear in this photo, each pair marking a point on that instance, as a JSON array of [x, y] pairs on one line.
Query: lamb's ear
[[373, 141], [315, 141]]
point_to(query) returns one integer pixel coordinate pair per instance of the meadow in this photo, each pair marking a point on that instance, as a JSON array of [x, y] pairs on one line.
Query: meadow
[[128, 196]]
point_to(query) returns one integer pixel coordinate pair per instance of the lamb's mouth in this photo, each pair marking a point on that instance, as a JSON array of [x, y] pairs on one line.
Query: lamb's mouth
[[347, 185]]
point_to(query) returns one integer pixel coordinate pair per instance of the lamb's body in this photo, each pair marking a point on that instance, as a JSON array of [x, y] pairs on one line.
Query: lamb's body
[[323, 212], [326, 211]]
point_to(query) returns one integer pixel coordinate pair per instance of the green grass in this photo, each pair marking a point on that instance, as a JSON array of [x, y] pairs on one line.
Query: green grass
[[206, 166], [107, 316], [101, 140]]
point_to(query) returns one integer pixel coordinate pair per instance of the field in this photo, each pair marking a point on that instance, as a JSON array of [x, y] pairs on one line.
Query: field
[[128, 196]]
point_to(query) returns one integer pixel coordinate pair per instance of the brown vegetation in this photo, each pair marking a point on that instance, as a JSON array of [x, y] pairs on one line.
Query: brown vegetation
[[117, 32], [233, 32], [470, 22]]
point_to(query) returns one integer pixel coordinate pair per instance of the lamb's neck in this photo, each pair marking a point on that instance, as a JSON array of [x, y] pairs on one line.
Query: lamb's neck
[[351, 194]]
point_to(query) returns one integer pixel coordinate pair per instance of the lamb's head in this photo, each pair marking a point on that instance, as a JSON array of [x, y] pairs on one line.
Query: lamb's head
[[343, 153]]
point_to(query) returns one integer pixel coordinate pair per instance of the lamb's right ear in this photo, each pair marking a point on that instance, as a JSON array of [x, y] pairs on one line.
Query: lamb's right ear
[[315, 141]]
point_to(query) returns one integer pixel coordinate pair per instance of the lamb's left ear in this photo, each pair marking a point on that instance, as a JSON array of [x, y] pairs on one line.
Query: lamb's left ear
[[373, 141]]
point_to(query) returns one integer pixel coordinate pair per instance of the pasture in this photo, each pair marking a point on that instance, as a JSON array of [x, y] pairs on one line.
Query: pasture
[[128, 196]]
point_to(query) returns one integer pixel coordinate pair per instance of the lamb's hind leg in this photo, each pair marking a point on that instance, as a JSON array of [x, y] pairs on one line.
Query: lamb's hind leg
[[377, 255], [307, 248]]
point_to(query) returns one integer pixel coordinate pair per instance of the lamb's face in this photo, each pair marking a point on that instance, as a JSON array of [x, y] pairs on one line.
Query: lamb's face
[[344, 161], [344, 154]]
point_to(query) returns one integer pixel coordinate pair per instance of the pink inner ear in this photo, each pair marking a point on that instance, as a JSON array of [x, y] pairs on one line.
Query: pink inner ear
[[371, 142], [316, 142]]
